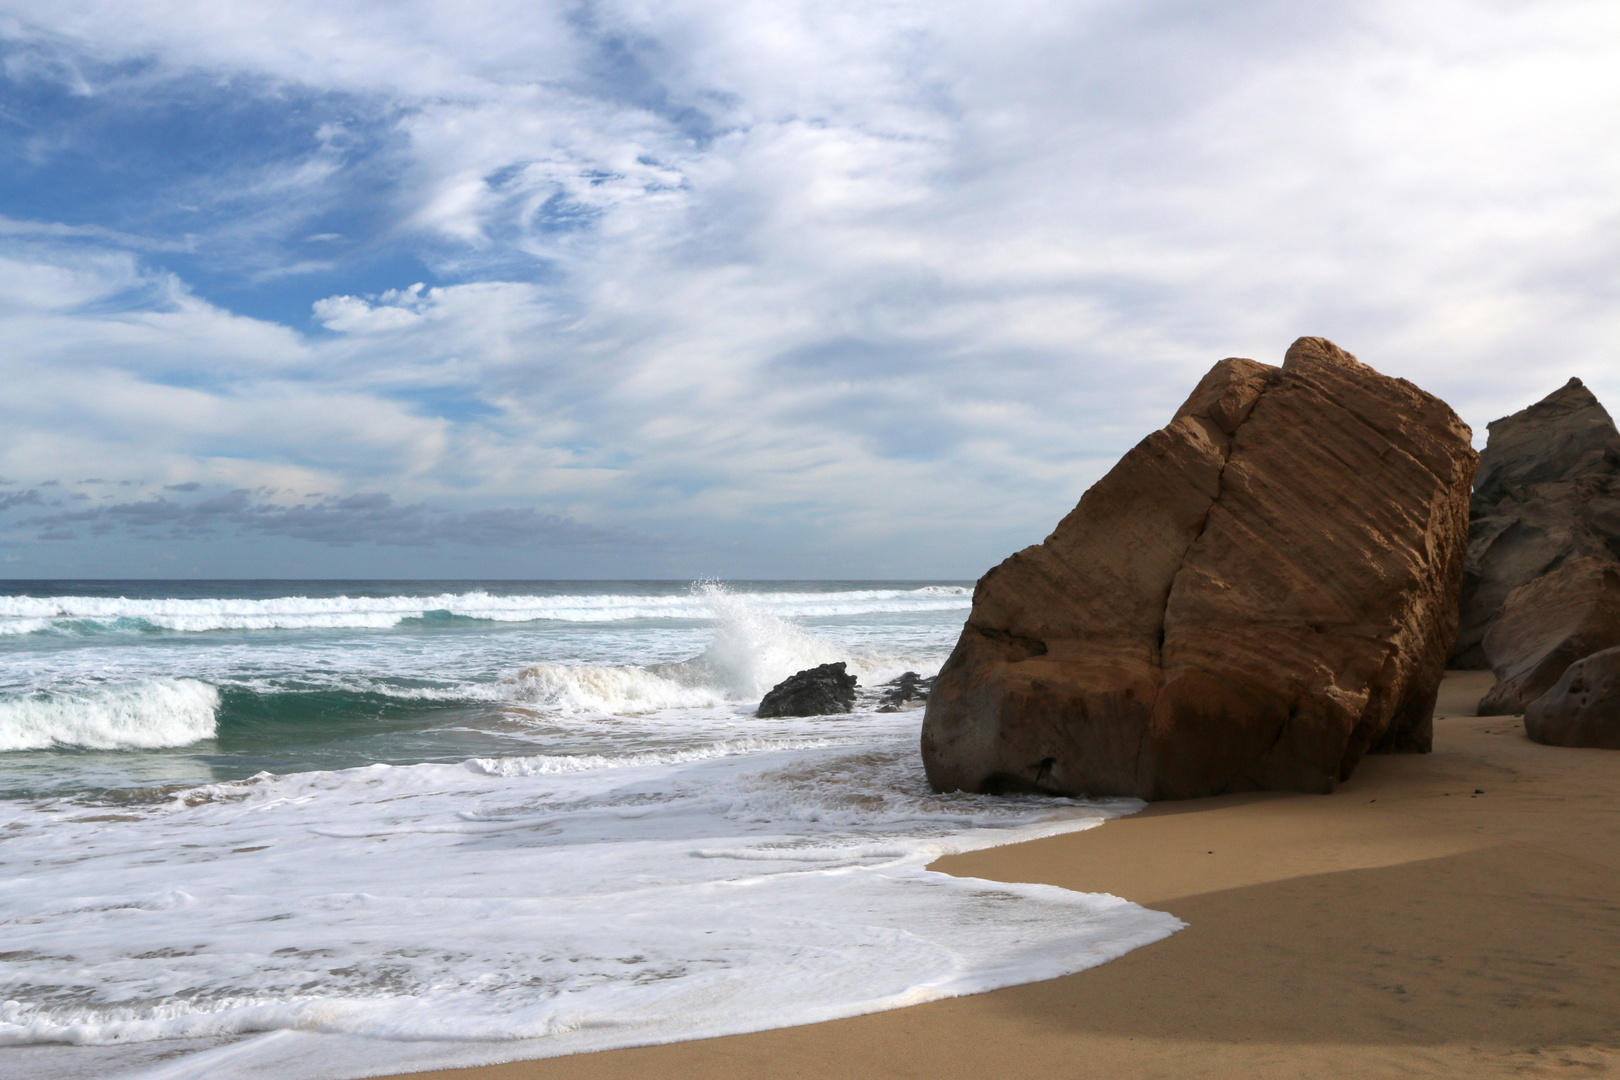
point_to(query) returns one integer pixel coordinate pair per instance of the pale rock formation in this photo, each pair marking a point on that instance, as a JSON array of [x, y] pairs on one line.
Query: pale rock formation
[[1548, 492]]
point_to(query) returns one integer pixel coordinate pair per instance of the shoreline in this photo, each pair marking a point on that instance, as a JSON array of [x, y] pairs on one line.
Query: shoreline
[[1403, 926]]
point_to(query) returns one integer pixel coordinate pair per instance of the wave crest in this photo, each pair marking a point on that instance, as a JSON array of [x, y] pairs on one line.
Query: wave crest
[[138, 716], [92, 614], [599, 688]]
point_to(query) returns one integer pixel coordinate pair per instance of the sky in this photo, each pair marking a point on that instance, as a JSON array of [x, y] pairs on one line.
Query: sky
[[637, 289]]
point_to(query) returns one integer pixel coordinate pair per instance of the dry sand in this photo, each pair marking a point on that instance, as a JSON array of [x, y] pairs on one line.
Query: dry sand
[[1404, 926]]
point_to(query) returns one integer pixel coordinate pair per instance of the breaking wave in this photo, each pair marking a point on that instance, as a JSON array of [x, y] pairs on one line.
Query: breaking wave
[[139, 716], [753, 649], [750, 649]]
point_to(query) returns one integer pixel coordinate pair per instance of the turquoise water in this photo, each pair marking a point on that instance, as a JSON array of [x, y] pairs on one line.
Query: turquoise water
[[306, 830], [105, 686]]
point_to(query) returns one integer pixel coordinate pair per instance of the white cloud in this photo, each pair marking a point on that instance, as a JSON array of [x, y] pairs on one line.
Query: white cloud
[[354, 315], [898, 269]]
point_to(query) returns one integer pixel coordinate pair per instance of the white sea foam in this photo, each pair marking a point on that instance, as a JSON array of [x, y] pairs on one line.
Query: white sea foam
[[549, 764], [626, 854], [66, 614], [381, 919], [592, 688], [143, 715]]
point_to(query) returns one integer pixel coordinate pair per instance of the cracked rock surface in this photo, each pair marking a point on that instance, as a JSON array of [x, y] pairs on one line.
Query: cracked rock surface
[[1546, 625], [1255, 596]]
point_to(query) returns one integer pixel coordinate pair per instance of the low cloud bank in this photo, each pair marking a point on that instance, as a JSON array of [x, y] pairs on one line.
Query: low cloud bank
[[337, 521]]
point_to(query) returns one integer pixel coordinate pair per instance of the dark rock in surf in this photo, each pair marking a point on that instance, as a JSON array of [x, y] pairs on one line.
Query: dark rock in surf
[[1547, 625], [817, 691], [1251, 599], [908, 687], [1582, 708], [1548, 492]]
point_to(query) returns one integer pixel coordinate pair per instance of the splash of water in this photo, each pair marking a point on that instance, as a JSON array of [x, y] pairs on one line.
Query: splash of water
[[752, 650]]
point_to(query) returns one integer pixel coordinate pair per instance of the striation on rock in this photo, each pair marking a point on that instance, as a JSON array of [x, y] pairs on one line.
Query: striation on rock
[[1582, 708], [1252, 598], [1548, 491], [1546, 625]]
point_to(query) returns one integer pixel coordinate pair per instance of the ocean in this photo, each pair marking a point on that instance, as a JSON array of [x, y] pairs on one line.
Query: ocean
[[333, 829]]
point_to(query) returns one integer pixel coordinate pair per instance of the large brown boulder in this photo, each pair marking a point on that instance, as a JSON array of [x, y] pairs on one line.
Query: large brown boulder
[[1548, 491], [1547, 625], [1582, 708], [1252, 598]]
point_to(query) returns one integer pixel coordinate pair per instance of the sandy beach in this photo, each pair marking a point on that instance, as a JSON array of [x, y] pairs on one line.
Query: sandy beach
[[1450, 914]]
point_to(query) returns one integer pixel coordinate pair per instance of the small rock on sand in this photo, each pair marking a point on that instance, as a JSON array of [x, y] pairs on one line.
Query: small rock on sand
[[817, 691], [908, 687]]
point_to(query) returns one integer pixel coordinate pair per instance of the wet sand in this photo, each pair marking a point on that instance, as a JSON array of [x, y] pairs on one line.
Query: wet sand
[[1402, 927]]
